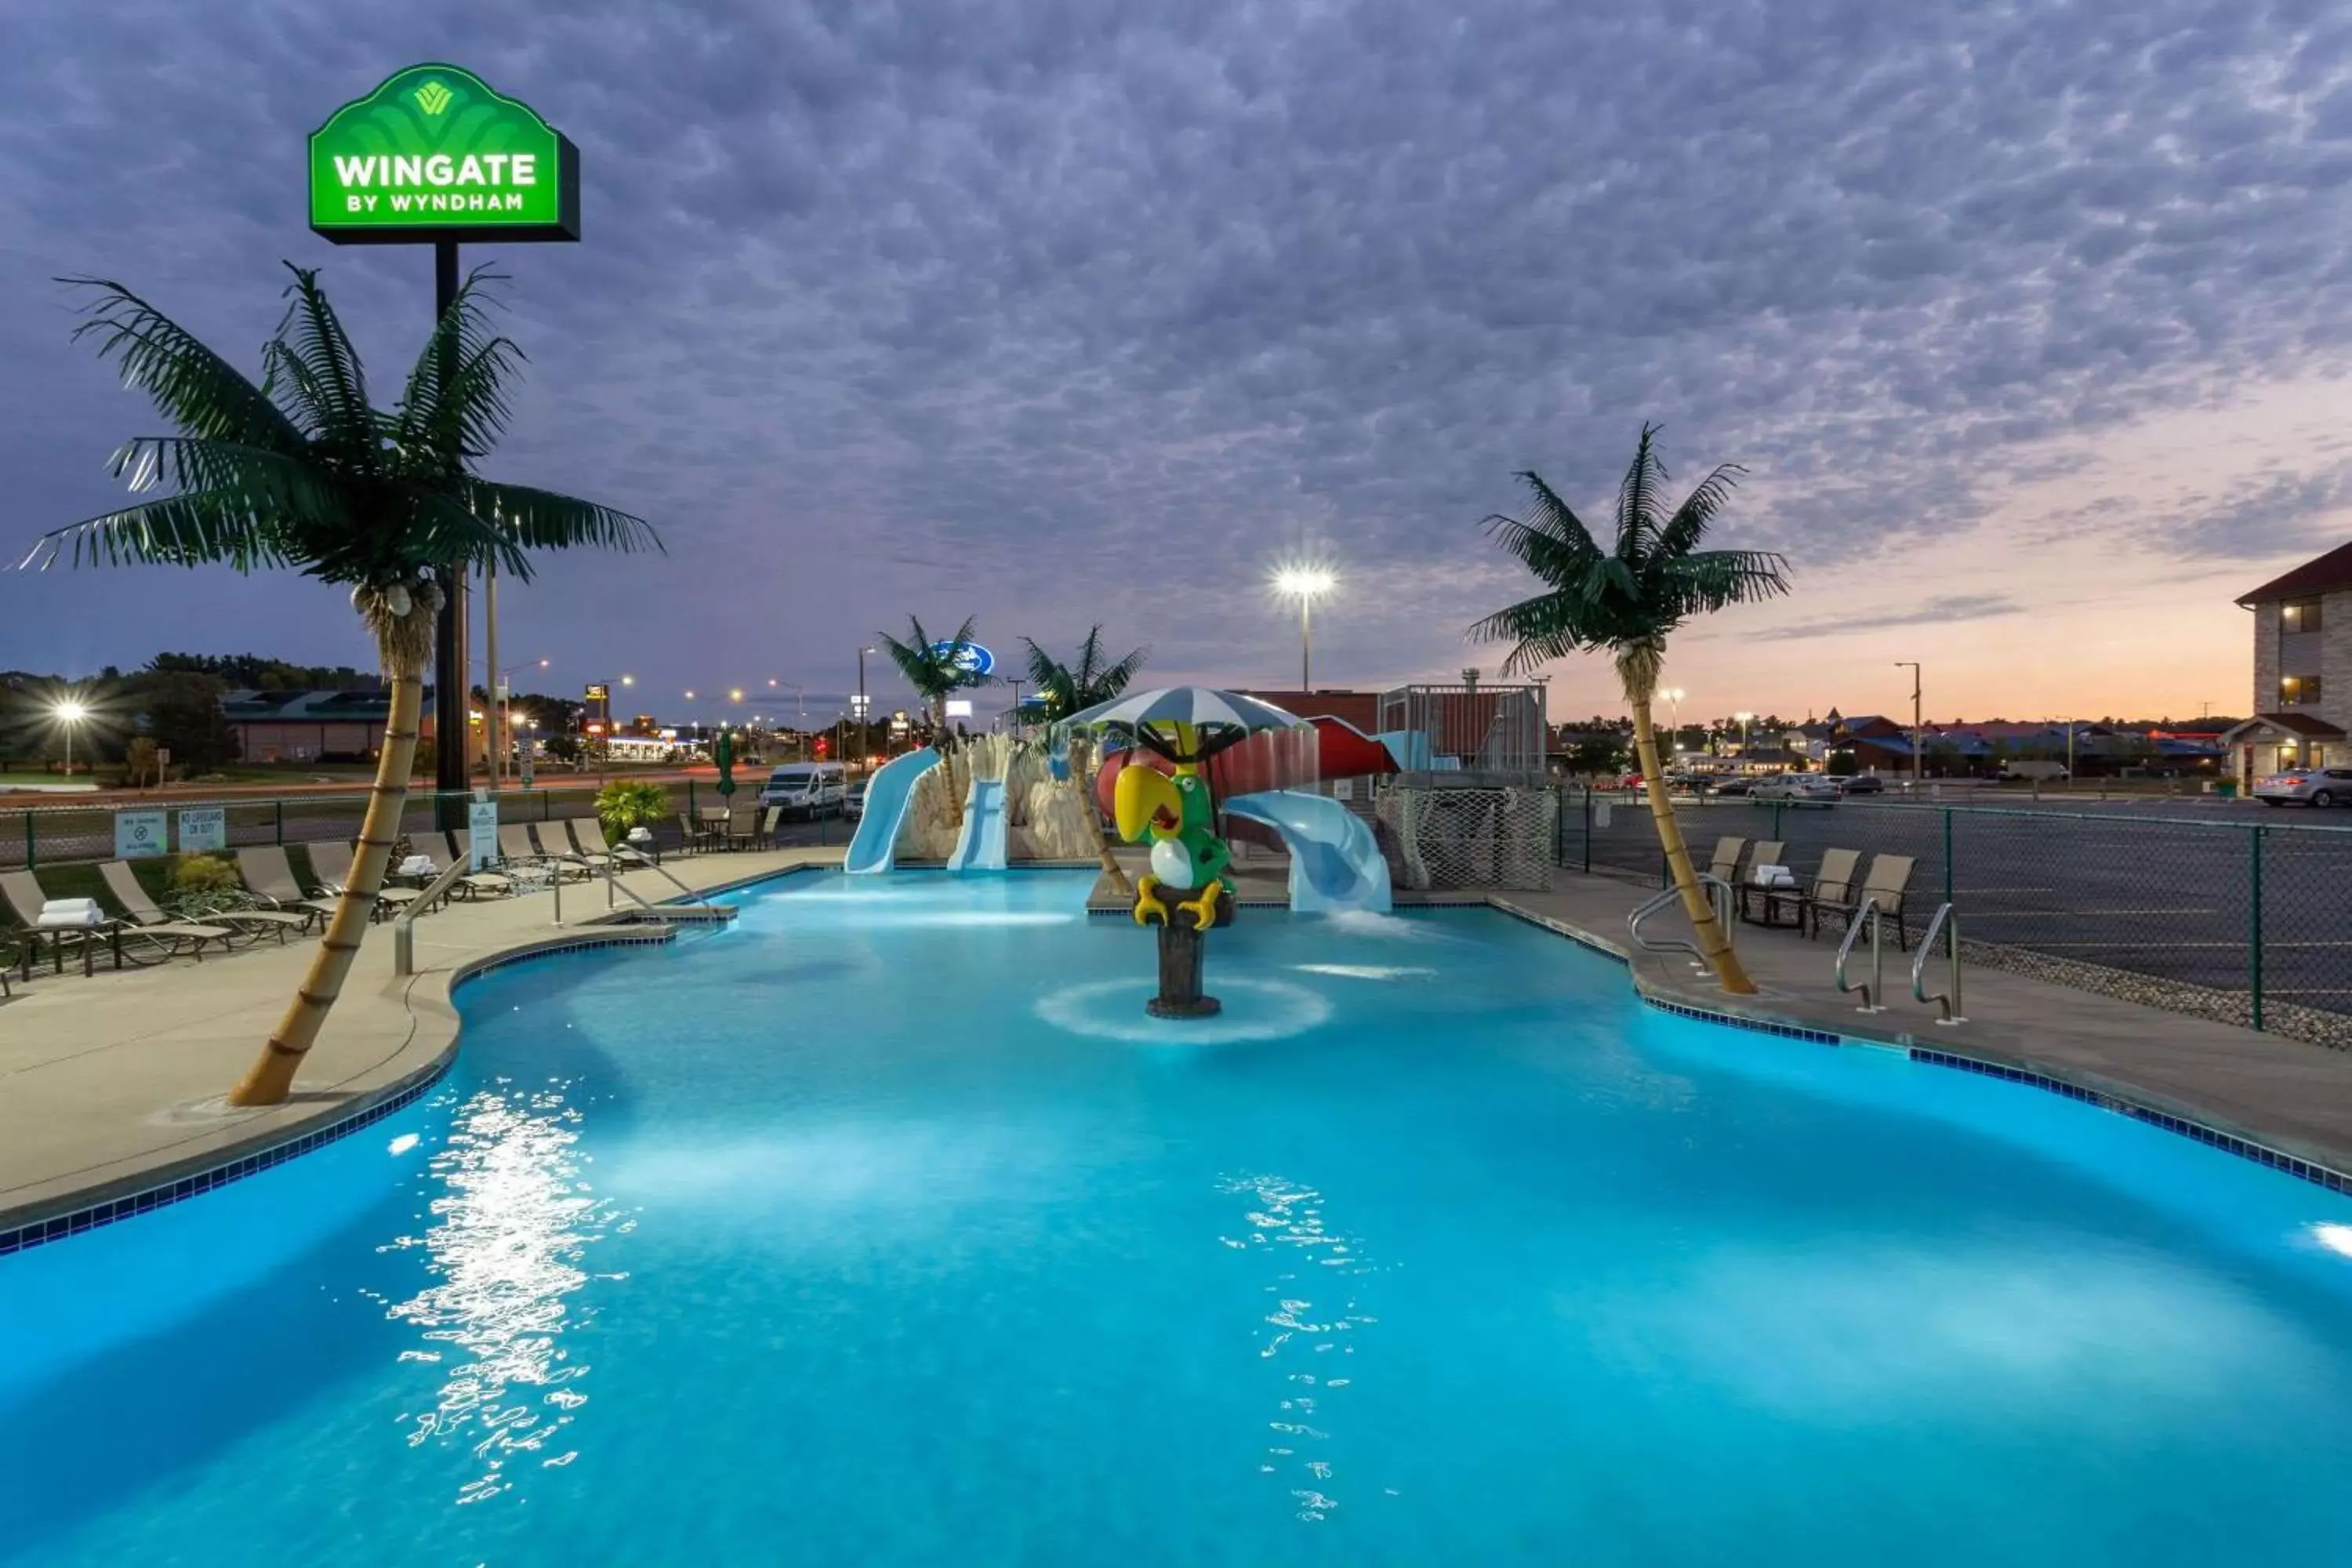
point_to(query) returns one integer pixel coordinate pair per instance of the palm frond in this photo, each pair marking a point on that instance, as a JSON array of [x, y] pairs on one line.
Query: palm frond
[[190, 530], [1684, 532], [275, 484], [1715, 579], [315, 356], [192, 386], [532, 519], [461, 417], [1639, 500]]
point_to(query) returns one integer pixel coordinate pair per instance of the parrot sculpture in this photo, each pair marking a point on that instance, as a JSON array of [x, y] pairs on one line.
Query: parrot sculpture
[[1187, 856]]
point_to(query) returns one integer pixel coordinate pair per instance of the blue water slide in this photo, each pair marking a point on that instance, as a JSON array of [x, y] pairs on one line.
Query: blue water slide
[[876, 840], [1409, 748], [1335, 862], [980, 847]]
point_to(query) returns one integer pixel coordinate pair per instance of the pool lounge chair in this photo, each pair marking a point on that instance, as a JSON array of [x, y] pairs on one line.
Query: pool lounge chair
[[21, 891], [1888, 879], [124, 883], [269, 876], [331, 871], [518, 848], [474, 884], [586, 841]]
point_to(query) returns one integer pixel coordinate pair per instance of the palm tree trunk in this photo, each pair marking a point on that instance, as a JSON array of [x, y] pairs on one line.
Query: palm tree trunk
[[1712, 941], [949, 750], [1087, 786], [271, 1076]]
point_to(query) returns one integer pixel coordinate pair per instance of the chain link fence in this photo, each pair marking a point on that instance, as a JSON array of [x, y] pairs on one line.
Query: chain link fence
[[2247, 922], [64, 833], [1447, 836]]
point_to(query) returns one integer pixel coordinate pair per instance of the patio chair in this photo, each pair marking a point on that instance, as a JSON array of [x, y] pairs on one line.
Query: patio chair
[[743, 827], [124, 883], [716, 820], [1833, 884], [1752, 892], [690, 836], [21, 891], [330, 869], [269, 876], [475, 884], [769, 817], [1888, 879], [1725, 864]]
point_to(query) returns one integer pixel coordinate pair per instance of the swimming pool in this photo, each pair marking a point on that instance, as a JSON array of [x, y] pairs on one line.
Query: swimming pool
[[882, 1228]]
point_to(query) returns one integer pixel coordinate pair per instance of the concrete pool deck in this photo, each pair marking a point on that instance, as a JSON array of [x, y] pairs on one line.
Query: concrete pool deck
[[111, 1086]]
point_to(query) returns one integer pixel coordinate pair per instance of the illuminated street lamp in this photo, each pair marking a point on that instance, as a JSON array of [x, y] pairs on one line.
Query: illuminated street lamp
[[69, 713], [1305, 583], [1744, 719], [1674, 696]]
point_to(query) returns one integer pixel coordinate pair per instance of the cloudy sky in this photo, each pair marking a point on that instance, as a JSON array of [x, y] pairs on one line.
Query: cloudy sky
[[2028, 320]]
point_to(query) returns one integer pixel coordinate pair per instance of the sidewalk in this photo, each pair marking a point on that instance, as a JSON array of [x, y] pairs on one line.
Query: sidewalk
[[113, 1084], [2294, 1097]]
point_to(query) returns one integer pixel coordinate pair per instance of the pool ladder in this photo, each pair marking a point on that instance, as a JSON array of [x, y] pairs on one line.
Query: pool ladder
[[1720, 893], [1874, 987], [1947, 924]]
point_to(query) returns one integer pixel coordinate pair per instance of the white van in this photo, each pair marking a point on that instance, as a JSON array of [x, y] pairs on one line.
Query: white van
[[808, 789]]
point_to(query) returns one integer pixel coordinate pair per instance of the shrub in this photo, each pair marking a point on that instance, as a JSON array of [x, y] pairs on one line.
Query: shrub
[[624, 804], [204, 874]]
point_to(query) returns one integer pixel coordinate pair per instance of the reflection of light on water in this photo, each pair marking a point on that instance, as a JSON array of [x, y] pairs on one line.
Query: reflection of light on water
[[402, 1144], [1365, 971], [1254, 1010], [1288, 1221], [508, 1233], [2335, 1237]]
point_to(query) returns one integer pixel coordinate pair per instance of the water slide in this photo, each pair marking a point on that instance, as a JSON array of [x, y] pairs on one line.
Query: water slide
[[876, 840], [1335, 862], [981, 847]]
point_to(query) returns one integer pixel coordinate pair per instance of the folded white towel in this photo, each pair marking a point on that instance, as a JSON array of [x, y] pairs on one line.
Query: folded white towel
[[418, 866], [57, 912]]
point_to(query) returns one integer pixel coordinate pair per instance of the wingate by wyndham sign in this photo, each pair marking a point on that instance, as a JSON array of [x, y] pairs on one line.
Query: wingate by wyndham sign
[[434, 154]]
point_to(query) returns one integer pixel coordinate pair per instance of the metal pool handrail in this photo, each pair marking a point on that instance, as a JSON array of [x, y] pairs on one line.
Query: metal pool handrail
[[1948, 1002], [403, 931], [1719, 892], [1875, 987], [645, 862]]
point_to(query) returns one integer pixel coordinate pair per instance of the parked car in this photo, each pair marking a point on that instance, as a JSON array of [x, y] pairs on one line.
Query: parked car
[[2310, 786], [1735, 786], [852, 801], [2041, 773], [1797, 789], [806, 789], [1863, 783]]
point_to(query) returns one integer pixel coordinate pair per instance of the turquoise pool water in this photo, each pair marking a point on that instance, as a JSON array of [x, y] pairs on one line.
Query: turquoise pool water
[[883, 1229]]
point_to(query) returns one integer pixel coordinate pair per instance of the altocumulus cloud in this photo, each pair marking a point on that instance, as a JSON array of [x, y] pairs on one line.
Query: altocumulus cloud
[[1941, 610], [1069, 312]]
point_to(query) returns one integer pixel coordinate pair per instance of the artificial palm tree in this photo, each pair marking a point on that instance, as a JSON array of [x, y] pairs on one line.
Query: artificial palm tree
[[1627, 600], [303, 472], [1069, 689], [937, 668]]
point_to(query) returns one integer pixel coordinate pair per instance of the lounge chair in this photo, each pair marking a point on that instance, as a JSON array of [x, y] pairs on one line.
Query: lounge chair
[[124, 883], [475, 884], [331, 869], [518, 848], [269, 876], [577, 845], [22, 892], [1888, 879]]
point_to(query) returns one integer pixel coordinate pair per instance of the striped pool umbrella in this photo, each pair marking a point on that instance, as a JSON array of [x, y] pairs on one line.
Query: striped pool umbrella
[[1214, 719], [725, 752]]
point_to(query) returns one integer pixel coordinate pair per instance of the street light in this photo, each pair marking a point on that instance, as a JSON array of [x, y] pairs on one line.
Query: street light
[[1674, 696], [1744, 720], [1918, 757], [864, 709], [68, 712], [1305, 583]]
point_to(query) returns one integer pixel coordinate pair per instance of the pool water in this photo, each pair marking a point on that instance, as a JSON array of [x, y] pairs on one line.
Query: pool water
[[884, 1228]]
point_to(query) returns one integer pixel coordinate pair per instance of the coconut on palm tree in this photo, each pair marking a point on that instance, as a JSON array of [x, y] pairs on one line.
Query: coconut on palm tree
[[1627, 600], [304, 472], [1068, 689]]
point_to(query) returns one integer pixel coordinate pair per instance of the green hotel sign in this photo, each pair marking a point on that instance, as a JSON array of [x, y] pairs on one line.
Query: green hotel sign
[[434, 154]]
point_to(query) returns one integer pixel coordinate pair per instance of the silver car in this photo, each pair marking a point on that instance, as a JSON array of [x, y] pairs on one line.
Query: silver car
[[2312, 786], [1797, 789]]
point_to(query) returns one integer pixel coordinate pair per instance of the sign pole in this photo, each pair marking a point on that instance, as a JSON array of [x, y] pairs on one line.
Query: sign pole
[[449, 697]]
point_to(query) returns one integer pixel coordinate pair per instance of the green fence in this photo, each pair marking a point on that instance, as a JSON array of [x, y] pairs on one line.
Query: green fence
[[2226, 912], [64, 833]]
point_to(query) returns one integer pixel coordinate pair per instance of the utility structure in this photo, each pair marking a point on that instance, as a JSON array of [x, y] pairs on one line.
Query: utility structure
[[1919, 756], [433, 156]]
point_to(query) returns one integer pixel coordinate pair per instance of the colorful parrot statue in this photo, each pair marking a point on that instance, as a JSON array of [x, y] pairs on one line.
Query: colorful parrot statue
[[1187, 856]]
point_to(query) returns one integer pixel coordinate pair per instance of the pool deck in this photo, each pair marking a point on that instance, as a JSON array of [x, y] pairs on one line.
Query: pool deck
[[111, 1085]]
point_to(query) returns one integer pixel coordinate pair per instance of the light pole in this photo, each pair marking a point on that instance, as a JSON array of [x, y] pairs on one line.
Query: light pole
[[1918, 757], [69, 713], [1744, 719], [1674, 696], [865, 712], [1305, 584]]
